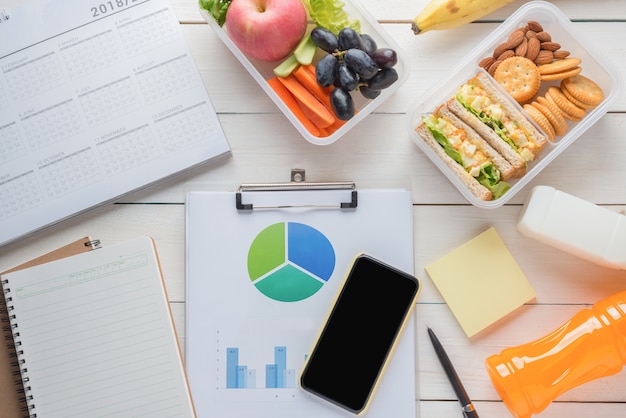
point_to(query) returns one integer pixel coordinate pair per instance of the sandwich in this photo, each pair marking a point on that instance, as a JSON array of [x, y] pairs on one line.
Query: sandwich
[[479, 167], [479, 104]]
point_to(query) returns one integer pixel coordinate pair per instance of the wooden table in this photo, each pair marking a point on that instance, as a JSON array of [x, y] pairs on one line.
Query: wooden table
[[379, 153]]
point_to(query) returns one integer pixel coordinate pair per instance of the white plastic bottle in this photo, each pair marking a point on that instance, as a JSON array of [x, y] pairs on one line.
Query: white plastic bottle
[[575, 226]]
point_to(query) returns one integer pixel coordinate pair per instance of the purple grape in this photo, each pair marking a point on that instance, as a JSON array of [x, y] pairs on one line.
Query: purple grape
[[361, 63], [383, 79], [385, 57], [342, 103], [324, 39], [326, 70]]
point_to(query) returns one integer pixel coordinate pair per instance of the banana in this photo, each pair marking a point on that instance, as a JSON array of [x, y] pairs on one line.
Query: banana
[[449, 14]]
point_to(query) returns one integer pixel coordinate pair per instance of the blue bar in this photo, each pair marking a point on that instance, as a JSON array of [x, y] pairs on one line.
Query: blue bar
[[251, 379], [270, 376], [280, 359], [242, 376], [232, 362]]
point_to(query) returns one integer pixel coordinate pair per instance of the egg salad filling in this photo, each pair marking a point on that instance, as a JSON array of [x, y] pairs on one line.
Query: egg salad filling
[[493, 114], [458, 146]]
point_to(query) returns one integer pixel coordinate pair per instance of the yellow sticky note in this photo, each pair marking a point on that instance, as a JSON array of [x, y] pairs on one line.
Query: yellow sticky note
[[480, 281]]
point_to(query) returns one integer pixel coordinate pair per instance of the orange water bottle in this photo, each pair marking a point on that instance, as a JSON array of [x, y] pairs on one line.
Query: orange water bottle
[[590, 345]]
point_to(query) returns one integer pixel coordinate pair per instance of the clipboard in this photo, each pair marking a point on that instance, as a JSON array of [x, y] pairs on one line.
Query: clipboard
[[263, 265], [298, 183], [13, 402]]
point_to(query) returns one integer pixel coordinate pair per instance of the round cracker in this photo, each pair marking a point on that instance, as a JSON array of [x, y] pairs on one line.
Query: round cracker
[[554, 121], [583, 89], [561, 125], [569, 109], [576, 101], [559, 65], [541, 120], [566, 116], [519, 77], [562, 74]]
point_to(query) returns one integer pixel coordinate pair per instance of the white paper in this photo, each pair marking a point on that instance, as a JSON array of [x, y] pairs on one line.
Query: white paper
[[97, 336], [229, 310], [97, 99]]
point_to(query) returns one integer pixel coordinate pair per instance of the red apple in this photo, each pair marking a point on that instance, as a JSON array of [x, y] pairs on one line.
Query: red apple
[[268, 30]]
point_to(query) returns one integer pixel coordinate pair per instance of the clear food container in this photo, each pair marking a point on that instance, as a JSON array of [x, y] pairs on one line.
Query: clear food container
[[594, 66], [262, 71]]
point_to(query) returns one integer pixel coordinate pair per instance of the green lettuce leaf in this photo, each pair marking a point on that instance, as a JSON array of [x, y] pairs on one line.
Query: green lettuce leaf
[[489, 175], [490, 178], [443, 141], [494, 124], [216, 8]]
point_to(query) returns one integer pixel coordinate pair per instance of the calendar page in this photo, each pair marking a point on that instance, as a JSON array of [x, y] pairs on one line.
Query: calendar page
[[97, 99]]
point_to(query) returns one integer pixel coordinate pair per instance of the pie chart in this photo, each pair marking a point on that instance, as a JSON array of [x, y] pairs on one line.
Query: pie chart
[[290, 261]]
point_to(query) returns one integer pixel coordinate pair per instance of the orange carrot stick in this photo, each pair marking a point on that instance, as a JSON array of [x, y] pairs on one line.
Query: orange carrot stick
[[319, 114], [293, 105], [308, 79]]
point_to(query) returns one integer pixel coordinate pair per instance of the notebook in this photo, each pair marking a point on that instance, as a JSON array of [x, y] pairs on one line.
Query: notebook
[[12, 402], [94, 335], [97, 99]]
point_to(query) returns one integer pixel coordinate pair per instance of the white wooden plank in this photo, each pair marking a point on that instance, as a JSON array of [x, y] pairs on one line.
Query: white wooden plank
[[380, 152], [407, 10]]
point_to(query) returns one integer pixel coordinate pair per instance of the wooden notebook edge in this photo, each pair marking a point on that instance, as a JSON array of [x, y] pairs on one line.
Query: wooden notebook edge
[[13, 402]]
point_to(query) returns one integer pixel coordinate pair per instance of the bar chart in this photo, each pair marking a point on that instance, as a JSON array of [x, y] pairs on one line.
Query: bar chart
[[277, 375]]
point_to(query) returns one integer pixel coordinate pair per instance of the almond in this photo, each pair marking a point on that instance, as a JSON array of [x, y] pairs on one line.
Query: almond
[[544, 57], [493, 67], [486, 63], [534, 46], [531, 34], [521, 49], [544, 36], [550, 46], [560, 54], [515, 38], [506, 54], [500, 49], [535, 26]]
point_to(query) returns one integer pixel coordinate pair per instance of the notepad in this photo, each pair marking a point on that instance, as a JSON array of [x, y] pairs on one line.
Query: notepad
[[95, 335], [480, 281]]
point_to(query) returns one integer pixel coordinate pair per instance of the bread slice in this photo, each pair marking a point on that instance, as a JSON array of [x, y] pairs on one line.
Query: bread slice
[[477, 189], [490, 135], [502, 147], [506, 168], [539, 138]]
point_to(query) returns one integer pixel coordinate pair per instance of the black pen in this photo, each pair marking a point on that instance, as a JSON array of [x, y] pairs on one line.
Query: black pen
[[466, 403]]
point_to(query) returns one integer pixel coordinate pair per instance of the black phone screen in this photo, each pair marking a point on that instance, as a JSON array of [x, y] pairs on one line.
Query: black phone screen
[[360, 333]]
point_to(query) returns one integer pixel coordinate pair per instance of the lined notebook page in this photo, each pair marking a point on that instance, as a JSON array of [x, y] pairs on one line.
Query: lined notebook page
[[97, 335]]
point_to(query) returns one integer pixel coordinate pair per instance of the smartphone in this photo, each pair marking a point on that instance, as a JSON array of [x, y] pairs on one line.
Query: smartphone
[[360, 333]]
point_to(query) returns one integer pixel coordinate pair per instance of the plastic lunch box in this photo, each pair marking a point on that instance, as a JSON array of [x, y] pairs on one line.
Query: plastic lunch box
[[262, 71], [594, 65]]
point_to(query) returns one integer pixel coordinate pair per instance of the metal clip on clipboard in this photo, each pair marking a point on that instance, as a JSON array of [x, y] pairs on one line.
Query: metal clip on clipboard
[[297, 183]]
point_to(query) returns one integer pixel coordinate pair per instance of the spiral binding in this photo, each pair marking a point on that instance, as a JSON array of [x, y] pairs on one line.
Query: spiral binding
[[11, 336]]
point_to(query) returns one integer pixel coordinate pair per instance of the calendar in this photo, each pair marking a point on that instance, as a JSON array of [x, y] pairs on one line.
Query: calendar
[[97, 99]]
